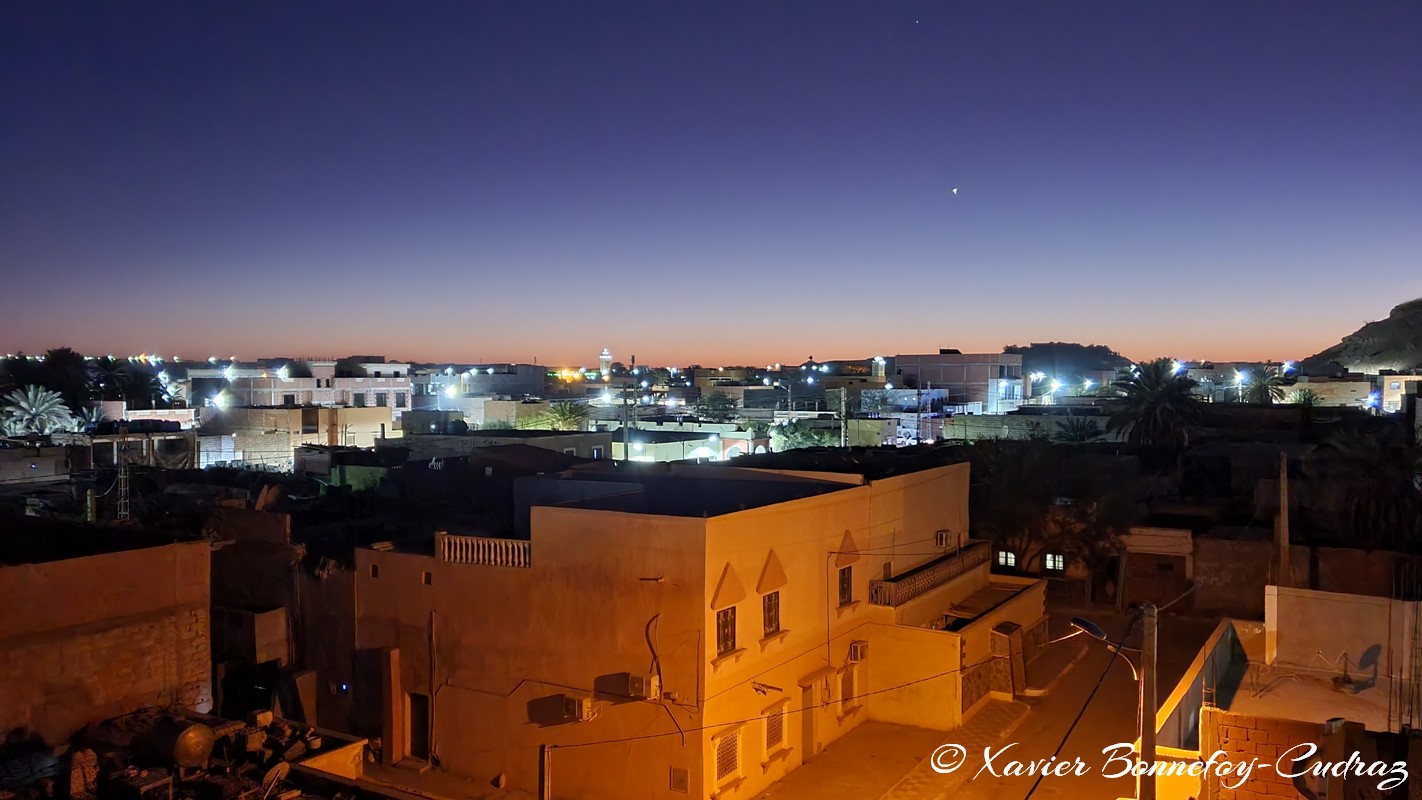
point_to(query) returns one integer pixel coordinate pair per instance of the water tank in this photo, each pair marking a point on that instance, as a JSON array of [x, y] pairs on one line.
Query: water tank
[[184, 742]]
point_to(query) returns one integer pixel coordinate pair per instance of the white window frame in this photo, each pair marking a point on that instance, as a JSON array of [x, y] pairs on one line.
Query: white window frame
[[1054, 562], [849, 703], [1006, 558], [780, 710], [734, 735]]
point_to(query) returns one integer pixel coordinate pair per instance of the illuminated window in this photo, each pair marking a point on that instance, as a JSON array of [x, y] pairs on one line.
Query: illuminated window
[[1006, 558], [1395, 385], [1055, 562], [725, 630], [728, 756], [846, 586], [775, 728], [771, 613]]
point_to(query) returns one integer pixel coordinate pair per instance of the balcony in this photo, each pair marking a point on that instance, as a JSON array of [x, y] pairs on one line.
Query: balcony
[[483, 551], [925, 578]]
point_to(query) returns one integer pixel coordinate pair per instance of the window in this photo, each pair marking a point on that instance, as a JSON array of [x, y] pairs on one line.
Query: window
[[374, 571], [725, 630], [570, 451], [427, 578], [1055, 562], [771, 615], [728, 756], [846, 586], [1395, 385], [1006, 558], [381, 399], [288, 400], [846, 689], [399, 399], [597, 452], [377, 373], [396, 374], [358, 399], [775, 728]]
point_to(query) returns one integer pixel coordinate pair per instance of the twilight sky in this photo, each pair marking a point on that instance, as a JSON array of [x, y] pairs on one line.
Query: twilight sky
[[707, 182]]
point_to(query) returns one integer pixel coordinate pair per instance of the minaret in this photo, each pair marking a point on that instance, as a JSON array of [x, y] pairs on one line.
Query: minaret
[[604, 362]]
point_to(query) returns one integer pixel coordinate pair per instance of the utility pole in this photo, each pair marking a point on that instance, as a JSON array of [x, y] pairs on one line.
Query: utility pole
[[1145, 788], [545, 772]]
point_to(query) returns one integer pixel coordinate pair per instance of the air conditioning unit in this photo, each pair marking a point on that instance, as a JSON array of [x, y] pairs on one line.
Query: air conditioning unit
[[858, 651], [577, 708], [644, 687], [944, 540]]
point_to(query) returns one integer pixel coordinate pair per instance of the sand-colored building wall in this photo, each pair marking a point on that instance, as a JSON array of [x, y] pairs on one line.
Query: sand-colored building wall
[[104, 635], [607, 595], [929, 703], [807, 542]]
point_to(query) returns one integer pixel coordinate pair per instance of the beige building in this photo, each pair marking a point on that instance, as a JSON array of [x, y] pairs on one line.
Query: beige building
[[686, 630], [993, 379], [1392, 388], [269, 437], [1352, 392]]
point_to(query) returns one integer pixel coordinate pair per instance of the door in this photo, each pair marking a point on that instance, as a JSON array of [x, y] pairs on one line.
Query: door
[[419, 733], [807, 720]]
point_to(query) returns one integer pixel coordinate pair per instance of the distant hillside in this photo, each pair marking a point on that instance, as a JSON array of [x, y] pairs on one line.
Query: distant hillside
[[1394, 344], [1067, 358]]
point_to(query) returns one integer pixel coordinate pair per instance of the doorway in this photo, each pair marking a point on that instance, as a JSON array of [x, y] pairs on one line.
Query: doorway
[[418, 735]]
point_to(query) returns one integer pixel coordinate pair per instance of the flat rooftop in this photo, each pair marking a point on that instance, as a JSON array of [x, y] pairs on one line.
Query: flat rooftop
[[662, 437], [688, 495], [522, 433], [871, 462], [37, 540], [1280, 692]]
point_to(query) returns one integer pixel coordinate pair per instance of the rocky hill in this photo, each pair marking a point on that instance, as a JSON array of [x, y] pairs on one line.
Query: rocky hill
[[1394, 344]]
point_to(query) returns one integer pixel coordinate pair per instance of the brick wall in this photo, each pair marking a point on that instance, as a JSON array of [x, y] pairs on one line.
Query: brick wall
[[1243, 738], [104, 635]]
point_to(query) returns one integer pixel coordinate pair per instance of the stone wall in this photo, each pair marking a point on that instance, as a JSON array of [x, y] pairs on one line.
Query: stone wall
[[1230, 575], [104, 635]]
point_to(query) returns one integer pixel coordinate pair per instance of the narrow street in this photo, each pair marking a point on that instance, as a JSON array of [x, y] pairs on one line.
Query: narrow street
[[1110, 718]]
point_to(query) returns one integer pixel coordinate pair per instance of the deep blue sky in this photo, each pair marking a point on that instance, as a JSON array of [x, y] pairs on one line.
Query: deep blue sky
[[706, 181]]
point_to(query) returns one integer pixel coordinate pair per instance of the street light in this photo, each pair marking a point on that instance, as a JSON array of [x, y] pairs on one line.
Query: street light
[[1145, 680]]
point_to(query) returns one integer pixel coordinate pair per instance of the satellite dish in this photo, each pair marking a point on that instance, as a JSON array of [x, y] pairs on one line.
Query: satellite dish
[[274, 777], [1089, 628]]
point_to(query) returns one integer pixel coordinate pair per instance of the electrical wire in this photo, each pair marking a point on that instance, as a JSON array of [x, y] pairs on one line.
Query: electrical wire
[[857, 696], [1115, 651]]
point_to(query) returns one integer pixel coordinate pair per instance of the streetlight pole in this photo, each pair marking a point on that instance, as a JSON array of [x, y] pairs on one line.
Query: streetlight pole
[[1145, 789]]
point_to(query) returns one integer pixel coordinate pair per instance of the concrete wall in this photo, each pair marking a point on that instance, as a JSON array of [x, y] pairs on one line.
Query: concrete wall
[[1230, 575], [1319, 630], [33, 464], [928, 704], [508, 643], [104, 635]]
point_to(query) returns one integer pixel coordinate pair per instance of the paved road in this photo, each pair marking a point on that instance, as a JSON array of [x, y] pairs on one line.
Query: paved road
[[1111, 718]]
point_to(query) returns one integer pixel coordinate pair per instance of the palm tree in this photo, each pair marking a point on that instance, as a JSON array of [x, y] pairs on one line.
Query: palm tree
[[1375, 477], [88, 418], [567, 416], [1156, 406], [1265, 386], [65, 371], [36, 409], [109, 379], [1079, 429], [1307, 398]]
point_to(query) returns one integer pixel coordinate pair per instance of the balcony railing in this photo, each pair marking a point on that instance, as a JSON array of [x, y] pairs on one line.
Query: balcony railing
[[925, 578], [483, 551]]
